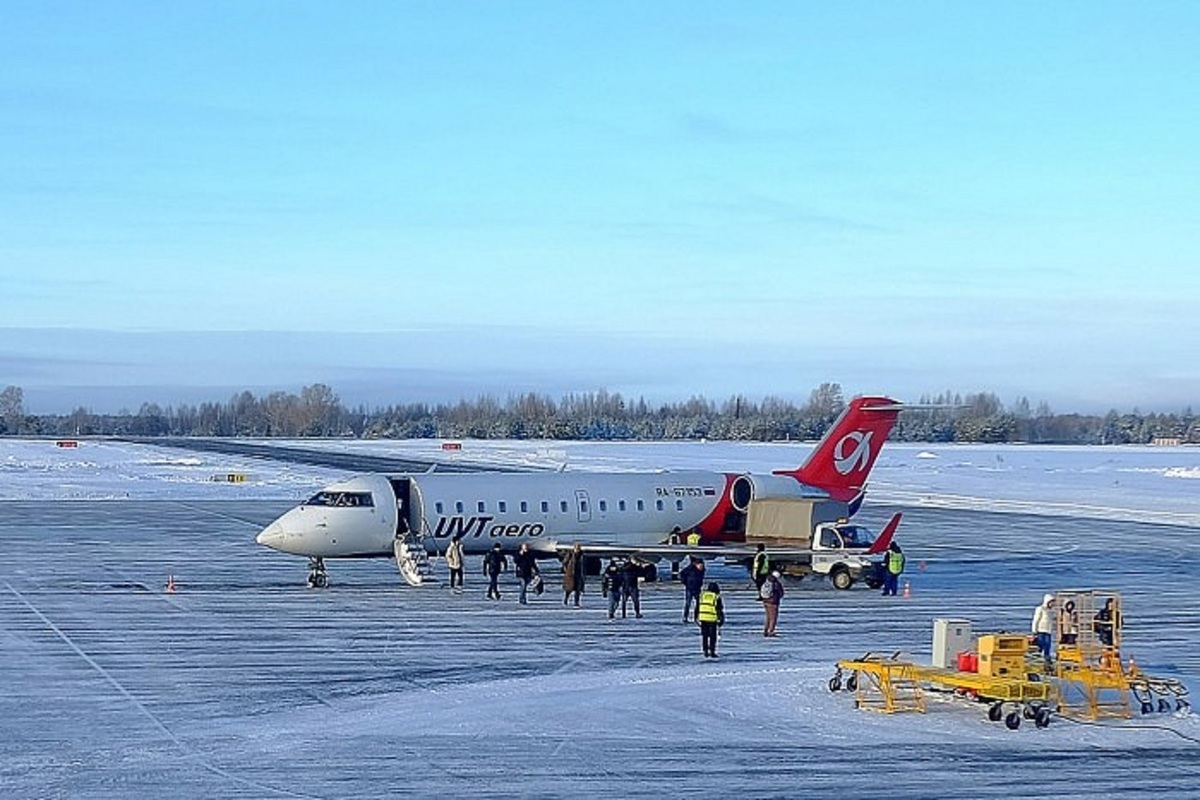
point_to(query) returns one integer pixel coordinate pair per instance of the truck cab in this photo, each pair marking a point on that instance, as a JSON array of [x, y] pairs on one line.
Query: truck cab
[[840, 551]]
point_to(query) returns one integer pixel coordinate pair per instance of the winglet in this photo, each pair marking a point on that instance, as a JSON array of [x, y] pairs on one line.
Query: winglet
[[885, 537]]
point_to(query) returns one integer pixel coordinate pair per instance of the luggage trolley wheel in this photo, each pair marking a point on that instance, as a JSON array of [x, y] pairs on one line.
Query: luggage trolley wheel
[[1013, 720], [995, 712]]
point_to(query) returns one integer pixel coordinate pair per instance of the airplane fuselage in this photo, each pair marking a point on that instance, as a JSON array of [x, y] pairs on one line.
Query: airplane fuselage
[[362, 516]]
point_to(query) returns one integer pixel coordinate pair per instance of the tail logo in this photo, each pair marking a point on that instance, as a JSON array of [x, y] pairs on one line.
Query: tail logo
[[856, 459]]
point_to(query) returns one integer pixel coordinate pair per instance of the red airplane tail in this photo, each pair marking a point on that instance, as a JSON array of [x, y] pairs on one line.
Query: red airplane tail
[[843, 459]]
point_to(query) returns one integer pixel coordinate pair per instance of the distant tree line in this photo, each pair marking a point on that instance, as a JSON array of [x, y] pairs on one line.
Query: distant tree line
[[317, 412]]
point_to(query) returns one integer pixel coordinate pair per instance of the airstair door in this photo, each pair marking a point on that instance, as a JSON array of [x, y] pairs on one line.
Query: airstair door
[[403, 490]]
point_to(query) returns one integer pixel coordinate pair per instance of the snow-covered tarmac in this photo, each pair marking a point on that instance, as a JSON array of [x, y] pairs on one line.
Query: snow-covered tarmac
[[242, 683]]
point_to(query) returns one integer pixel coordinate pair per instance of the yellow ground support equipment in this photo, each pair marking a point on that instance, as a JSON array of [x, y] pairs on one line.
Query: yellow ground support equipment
[[1086, 681], [1093, 683], [1002, 655], [890, 684]]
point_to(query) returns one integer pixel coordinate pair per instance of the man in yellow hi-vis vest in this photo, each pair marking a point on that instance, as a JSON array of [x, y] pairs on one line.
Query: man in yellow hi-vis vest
[[710, 615], [761, 567]]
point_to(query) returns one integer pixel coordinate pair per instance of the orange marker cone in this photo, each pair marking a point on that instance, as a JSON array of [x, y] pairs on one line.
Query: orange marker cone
[[171, 584], [907, 589]]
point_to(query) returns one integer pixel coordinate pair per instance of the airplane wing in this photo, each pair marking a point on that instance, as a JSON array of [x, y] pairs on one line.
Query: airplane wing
[[734, 551], [680, 552]]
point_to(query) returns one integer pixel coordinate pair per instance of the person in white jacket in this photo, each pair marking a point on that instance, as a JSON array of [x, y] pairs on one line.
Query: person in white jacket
[[454, 560], [1043, 626]]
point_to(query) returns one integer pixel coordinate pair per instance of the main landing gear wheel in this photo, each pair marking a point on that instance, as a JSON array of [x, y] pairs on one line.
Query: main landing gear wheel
[[318, 578]]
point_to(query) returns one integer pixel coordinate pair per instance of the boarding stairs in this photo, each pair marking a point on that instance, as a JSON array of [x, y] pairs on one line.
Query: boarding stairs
[[412, 560]]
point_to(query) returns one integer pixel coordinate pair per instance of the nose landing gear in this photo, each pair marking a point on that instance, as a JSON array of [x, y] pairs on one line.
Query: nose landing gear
[[318, 578]]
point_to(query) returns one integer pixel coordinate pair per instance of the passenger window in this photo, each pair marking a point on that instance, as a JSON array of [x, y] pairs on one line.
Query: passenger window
[[562, 505], [679, 505], [658, 504], [438, 506], [524, 506], [620, 505], [482, 506], [458, 506], [503, 507], [545, 507], [641, 505], [603, 506]]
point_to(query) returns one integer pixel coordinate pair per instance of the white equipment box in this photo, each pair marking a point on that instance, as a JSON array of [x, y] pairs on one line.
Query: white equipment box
[[950, 637]]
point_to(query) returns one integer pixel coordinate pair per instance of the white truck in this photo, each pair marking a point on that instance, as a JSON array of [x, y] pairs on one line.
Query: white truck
[[803, 536]]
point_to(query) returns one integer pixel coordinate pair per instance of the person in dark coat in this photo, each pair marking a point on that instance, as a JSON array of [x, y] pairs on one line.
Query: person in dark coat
[[630, 589], [525, 565], [1107, 623], [573, 574], [614, 583], [692, 578], [494, 563]]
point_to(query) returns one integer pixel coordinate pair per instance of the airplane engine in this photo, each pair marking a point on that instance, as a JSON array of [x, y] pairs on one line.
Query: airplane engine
[[748, 487]]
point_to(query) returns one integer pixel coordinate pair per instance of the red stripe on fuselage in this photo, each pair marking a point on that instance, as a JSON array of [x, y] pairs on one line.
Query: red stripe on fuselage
[[712, 527]]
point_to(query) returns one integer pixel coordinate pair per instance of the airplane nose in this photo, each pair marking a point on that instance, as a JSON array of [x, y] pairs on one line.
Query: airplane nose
[[270, 536]]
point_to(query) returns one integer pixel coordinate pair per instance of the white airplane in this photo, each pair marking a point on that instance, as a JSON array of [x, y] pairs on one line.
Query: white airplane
[[622, 513]]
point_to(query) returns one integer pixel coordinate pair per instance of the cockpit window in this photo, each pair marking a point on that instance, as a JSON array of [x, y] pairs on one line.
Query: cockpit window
[[341, 499]]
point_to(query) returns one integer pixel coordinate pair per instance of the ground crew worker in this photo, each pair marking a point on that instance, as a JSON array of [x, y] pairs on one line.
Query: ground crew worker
[[693, 538], [1106, 623], [1043, 626], [761, 567], [893, 565], [454, 560], [711, 615]]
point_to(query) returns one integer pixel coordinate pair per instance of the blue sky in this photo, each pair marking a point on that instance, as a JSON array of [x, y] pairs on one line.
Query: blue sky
[[432, 200]]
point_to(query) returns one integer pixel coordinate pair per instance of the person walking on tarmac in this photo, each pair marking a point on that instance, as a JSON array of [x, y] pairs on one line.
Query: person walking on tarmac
[[770, 594], [525, 565], [630, 589], [573, 574], [761, 567], [454, 560], [612, 584], [692, 578], [494, 563], [893, 566], [1042, 627], [711, 616]]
